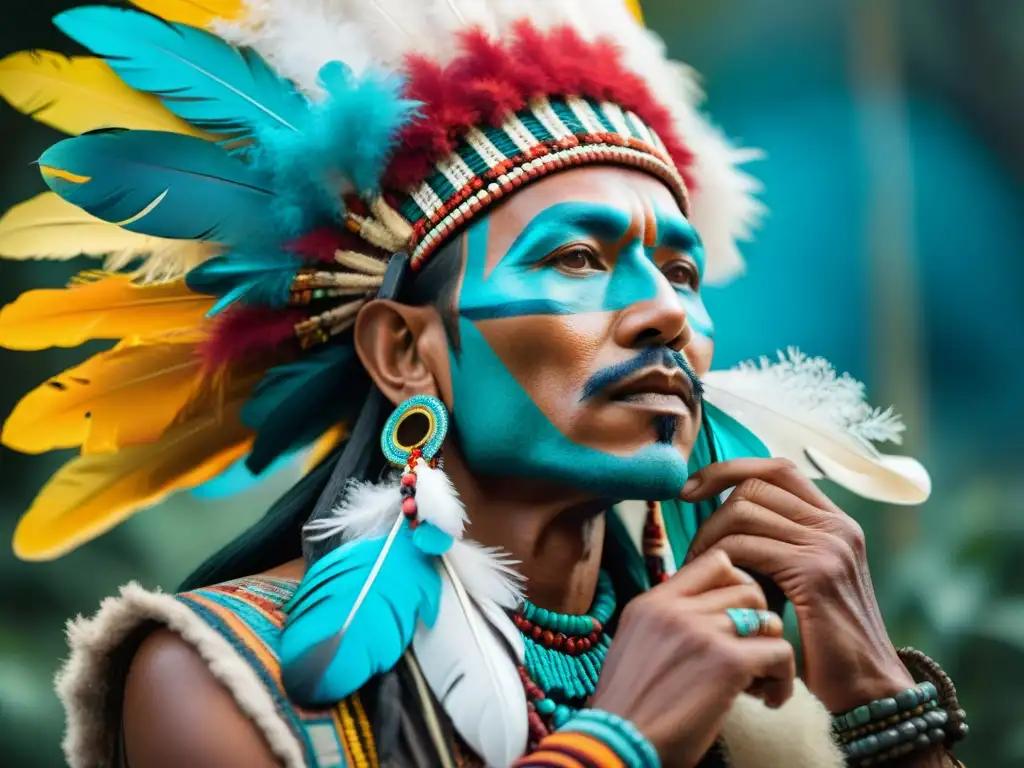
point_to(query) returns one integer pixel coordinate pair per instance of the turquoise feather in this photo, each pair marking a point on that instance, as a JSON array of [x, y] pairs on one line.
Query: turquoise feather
[[350, 135], [256, 280], [721, 439], [198, 76], [296, 403], [431, 540], [161, 184], [320, 665]]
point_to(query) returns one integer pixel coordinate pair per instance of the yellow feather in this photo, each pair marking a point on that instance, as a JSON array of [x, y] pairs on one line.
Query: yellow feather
[[100, 306], [91, 494], [49, 227], [634, 7], [126, 396], [80, 94], [195, 13], [326, 443]]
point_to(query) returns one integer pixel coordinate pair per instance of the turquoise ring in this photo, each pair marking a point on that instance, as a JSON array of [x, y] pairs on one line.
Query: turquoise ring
[[751, 623], [746, 620]]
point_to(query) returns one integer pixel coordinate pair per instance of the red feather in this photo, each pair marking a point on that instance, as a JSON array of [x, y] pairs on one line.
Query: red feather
[[494, 77], [244, 332]]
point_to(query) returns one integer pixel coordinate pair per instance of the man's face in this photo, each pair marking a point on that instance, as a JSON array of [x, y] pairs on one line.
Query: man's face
[[580, 327]]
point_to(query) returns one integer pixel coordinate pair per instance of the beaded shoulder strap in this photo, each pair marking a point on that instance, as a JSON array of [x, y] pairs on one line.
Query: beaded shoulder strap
[[248, 613]]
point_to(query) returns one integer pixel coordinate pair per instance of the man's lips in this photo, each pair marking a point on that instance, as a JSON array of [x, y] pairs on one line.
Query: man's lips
[[655, 388]]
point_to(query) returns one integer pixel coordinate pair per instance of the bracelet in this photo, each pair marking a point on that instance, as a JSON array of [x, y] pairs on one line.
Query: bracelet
[[919, 732], [618, 733], [906, 704], [923, 667]]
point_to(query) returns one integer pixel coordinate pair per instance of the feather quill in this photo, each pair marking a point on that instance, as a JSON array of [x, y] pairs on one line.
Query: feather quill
[[800, 409], [195, 13], [475, 679], [197, 75], [126, 396], [99, 306], [354, 615], [91, 494], [48, 227], [161, 184], [80, 94]]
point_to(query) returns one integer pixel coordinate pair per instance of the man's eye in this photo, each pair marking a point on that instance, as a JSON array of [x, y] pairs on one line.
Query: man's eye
[[682, 272], [576, 260]]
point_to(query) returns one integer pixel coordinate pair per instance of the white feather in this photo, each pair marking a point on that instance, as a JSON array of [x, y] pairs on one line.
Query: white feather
[[472, 671], [366, 511], [438, 501], [803, 411], [488, 574]]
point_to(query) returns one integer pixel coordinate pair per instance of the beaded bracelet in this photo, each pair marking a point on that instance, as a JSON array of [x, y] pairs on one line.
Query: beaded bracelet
[[925, 668], [905, 704], [619, 734], [919, 732]]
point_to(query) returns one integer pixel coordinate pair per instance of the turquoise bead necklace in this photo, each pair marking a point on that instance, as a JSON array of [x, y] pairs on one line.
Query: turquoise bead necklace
[[564, 655]]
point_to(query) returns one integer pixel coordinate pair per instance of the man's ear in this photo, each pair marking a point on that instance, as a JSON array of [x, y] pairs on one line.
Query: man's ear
[[396, 347]]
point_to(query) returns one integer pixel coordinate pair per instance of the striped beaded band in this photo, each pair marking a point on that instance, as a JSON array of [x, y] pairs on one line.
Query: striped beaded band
[[551, 135]]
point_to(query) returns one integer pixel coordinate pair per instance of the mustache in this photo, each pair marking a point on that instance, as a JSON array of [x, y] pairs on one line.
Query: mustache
[[649, 357]]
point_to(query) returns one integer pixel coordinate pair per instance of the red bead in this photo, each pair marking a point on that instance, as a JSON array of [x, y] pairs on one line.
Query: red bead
[[409, 479], [570, 645], [409, 507], [592, 637], [596, 623], [536, 633], [559, 641], [537, 728], [548, 637], [584, 645], [416, 453]]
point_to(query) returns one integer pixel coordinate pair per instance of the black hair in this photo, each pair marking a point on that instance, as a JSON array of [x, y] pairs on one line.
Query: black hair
[[277, 537]]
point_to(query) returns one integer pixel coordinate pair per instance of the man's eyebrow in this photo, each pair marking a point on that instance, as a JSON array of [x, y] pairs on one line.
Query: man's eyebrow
[[604, 221], [676, 233]]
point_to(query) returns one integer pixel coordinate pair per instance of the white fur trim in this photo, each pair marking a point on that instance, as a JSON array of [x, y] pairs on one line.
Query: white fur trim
[[797, 735], [83, 683]]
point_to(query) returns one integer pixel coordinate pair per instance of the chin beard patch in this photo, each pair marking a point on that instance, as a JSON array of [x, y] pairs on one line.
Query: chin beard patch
[[665, 428]]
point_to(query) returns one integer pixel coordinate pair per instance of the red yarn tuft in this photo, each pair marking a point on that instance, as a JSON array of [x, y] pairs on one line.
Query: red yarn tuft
[[492, 78], [244, 332]]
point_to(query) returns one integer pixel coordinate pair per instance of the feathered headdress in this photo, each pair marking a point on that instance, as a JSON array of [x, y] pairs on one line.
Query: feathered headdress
[[247, 168]]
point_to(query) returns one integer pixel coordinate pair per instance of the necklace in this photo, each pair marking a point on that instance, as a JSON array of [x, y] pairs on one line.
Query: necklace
[[564, 655]]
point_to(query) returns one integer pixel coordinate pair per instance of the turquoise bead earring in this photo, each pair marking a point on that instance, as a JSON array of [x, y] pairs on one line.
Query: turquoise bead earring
[[414, 433]]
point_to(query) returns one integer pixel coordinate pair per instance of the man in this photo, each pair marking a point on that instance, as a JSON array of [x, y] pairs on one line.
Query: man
[[503, 249]]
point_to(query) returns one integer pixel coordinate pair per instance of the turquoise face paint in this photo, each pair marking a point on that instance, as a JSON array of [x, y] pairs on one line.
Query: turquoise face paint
[[501, 430]]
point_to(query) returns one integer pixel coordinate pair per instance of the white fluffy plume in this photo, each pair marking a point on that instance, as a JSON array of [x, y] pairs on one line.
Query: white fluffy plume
[[438, 501], [803, 411], [810, 389], [488, 574], [366, 511], [298, 36]]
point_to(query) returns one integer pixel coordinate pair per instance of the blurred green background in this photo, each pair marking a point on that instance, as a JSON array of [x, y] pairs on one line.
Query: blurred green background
[[894, 164]]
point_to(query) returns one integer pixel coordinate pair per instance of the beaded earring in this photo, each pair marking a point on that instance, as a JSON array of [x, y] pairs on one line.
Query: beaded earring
[[414, 433]]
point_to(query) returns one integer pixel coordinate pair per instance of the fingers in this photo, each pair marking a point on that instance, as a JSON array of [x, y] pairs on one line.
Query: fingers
[[740, 596], [712, 571], [767, 556], [772, 663], [717, 477], [740, 516]]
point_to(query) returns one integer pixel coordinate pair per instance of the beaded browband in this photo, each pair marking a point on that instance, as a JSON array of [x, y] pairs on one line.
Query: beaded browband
[[550, 135]]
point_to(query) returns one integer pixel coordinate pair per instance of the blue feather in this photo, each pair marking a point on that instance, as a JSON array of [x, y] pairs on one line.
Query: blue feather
[[431, 539], [238, 479], [256, 280], [161, 184], [350, 135], [320, 665], [200, 78], [296, 403]]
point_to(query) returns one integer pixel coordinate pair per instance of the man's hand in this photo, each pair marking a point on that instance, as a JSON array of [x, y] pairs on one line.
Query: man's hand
[[778, 523]]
